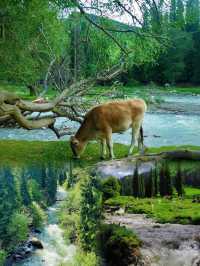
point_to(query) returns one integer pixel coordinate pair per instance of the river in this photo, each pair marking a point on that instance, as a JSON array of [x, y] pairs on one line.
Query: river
[[55, 252], [161, 127], [163, 244]]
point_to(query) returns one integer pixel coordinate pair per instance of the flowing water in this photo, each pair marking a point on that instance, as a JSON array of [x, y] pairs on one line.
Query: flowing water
[[163, 244], [161, 128], [55, 251]]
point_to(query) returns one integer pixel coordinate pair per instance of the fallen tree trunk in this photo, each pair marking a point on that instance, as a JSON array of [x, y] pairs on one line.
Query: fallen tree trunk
[[172, 155], [69, 103]]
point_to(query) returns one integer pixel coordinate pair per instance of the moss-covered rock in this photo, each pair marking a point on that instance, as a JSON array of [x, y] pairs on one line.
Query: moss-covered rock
[[118, 245]]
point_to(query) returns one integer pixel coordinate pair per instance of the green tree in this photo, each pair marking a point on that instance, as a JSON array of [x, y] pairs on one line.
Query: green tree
[[34, 36], [179, 181], [192, 15]]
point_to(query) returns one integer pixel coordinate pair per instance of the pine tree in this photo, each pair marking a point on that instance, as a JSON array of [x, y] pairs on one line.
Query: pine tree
[[26, 199], [192, 15], [180, 20], [155, 180], [179, 182], [162, 181], [150, 185], [168, 181], [172, 14], [136, 182]]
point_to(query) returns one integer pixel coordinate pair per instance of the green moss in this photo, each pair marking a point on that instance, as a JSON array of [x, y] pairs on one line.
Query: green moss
[[163, 210]]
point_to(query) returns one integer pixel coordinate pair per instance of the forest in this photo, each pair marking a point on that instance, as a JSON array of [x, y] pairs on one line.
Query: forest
[[58, 60]]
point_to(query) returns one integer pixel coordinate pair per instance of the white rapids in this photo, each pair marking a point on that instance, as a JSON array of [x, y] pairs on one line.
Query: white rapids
[[55, 252], [163, 244]]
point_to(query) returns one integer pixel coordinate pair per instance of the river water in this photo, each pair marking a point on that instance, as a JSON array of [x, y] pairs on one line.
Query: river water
[[163, 244], [161, 128], [55, 252]]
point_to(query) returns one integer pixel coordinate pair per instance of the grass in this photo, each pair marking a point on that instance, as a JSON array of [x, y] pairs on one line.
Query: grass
[[175, 210], [23, 91], [15, 151], [129, 90]]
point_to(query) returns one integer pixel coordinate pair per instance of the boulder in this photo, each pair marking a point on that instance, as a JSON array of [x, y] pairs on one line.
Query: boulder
[[36, 243]]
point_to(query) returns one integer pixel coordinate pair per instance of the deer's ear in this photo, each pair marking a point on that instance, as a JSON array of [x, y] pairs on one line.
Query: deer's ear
[[74, 140]]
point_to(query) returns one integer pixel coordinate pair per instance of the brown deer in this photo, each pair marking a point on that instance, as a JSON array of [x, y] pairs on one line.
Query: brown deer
[[112, 117]]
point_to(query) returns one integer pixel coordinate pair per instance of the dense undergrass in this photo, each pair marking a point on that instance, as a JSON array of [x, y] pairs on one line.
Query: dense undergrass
[[163, 210]]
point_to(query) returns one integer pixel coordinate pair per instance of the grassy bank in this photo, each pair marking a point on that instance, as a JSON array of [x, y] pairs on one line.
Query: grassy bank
[[128, 90], [163, 210], [15, 151]]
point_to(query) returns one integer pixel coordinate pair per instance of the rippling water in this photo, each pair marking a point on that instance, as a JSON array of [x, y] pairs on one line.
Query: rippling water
[[55, 252], [160, 129]]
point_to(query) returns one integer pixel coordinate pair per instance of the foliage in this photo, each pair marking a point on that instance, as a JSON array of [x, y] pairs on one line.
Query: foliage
[[179, 182], [38, 215], [69, 213], [118, 245], [110, 187], [90, 212], [138, 184], [176, 210], [33, 36], [165, 183], [17, 229], [82, 258], [2, 257]]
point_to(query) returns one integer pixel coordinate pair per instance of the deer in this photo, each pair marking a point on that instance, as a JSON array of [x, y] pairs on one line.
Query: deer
[[107, 118]]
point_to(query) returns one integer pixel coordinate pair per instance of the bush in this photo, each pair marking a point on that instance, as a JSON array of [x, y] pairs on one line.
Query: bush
[[90, 212], [70, 223], [2, 257], [118, 245], [111, 187], [84, 259], [38, 215], [17, 229]]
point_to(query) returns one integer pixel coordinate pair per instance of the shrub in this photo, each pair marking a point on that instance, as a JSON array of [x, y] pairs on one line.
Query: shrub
[[118, 245], [38, 215], [90, 212], [2, 257], [84, 259], [17, 229], [110, 187]]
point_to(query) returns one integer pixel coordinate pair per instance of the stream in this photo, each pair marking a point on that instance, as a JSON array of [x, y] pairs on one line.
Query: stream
[[55, 251], [163, 244]]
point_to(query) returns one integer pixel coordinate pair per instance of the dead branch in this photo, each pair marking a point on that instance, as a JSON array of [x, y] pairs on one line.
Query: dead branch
[[68, 103]]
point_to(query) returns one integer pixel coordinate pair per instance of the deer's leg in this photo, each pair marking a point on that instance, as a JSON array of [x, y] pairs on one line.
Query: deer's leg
[[110, 144], [135, 136], [103, 148]]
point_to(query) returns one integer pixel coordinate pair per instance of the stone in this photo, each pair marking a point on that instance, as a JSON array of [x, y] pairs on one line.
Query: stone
[[36, 243]]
